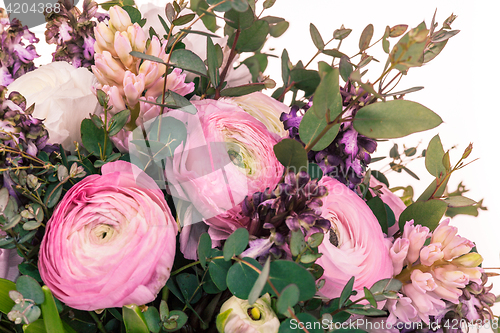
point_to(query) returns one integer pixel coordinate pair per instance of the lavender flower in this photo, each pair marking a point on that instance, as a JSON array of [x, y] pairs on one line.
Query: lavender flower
[[73, 32], [346, 158], [17, 50], [294, 205]]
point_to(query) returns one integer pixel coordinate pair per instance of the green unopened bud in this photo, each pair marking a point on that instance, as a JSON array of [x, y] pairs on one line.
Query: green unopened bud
[[469, 260], [237, 315]]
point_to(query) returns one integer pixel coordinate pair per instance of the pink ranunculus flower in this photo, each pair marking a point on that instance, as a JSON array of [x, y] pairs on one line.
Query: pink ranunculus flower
[[228, 155], [361, 250], [110, 241]]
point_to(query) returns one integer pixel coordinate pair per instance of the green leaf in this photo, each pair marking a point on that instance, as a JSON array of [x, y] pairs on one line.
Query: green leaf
[[369, 297], [242, 90], [239, 20], [316, 37], [30, 270], [378, 208], [176, 321], [145, 56], [426, 213], [315, 171], [241, 277], [291, 154], [30, 289], [316, 239], [327, 98], [385, 285], [306, 80], [6, 303], [394, 119], [184, 19], [285, 272], [366, 37], [341, 33], [310, 127], [285, 70], [268, 3], [189, 61], [189, 287], [433, 50], [53, 323], [345, 68], [366, 312], [305, 320], [297, 242], [213, 63], [209, 20], [239, 5], [118, 121], [218, 269], [434, 157], [288, 298], [152, 318], [346, 292], [334, 53], [459, 201], [134, 319], [93, 138], [236, 243], [204, 249], [278, 29], [175, 101], [134, 13], [409, 50], [252, 38], [260, 283], [223, 7], [403, 92], [432, 189]]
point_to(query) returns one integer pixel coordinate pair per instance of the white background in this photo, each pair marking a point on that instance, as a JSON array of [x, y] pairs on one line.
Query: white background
[[461, 85]]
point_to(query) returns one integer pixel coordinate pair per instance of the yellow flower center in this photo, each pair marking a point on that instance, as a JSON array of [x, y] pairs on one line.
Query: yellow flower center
[[254, 313]]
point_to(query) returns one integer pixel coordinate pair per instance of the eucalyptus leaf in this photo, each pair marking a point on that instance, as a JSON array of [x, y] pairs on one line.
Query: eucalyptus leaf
[[242, 90], [288, 298], [304, 320], [291, 154], [241, 277], [213, 63], [459, 201], [426, 213], [310, 127], [118, 121], [316, 37], [236, 243], [394, 119], [434, 157], [260, 283], [283, 273], [366, 37], [204, 248], [252, 38], [189, 61]]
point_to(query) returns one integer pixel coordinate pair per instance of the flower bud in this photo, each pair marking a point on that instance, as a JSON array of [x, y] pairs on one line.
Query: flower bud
[[119, 18], [444, 233], [398, 253], [133, 86], [109, 71], [417, 236], [104, 39], [237, 315], [123, 48], [468, 260], [457, 247], [137, 37], [430, 254], [422, 281]]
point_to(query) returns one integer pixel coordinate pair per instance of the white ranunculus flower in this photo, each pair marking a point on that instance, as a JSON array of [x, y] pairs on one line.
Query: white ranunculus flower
[[238, 316], [63, 97]]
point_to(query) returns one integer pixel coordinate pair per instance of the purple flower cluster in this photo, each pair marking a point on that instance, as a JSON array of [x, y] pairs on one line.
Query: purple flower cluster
[[16, 49], [294, 205], [346, 158], [72, 31]]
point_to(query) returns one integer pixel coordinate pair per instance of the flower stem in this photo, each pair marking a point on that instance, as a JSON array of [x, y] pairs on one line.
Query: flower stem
[[100, 327], [177, 271]]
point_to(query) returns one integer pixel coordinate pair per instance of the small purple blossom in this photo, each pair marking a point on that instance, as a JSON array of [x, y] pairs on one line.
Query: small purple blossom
[[72, 31], [17, 50]]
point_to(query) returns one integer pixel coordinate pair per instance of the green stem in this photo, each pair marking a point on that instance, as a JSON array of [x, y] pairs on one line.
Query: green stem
[[177, 271], [100, 327]]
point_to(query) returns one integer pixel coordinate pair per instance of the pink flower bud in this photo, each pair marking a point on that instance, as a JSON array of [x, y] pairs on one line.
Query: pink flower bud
[[474, 274], [111, 72], [430, 254], [175, 83], [151, 71], [156, 49], [398, 253], [147, 111], [401, 309], [450, 280], [119, 18], [469, 260], [137, 37], [426, 303], [123, 48], [115, 98], [422, 281], [444, 233], [457, 247], [133, 87], [417, 236], [104, 39]]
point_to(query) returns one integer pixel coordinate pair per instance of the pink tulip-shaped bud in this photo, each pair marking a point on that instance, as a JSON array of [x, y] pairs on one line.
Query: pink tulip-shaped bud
[[175, 83], [417, 236], [422, 281], [474, 274], [444, 233], [137, 37], [457, 247], [156, 49], [111, 72], [398, 253], [450, 280], [119, 19], [426, 303], [469, 260], [104, 39], [123, 49], [133, 87], [151, 71], [115, 98], [401, 309], [430, 254]]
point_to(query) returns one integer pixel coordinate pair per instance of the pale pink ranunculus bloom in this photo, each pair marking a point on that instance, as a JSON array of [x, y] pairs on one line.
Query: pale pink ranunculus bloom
[[228, 154], [361, 250], [110, 241], [390, 199]]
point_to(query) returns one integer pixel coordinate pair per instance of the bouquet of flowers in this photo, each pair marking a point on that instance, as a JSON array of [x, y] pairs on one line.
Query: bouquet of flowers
[[148, 184]]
